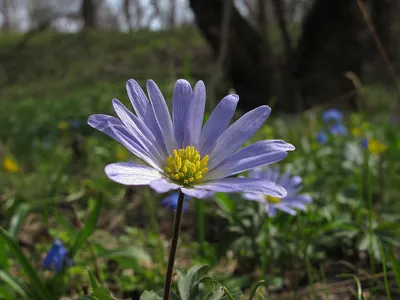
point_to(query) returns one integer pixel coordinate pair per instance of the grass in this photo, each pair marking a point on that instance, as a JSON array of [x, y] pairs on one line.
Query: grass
[[352, 223]]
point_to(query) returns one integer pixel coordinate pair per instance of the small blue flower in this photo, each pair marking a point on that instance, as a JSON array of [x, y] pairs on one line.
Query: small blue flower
[[57, 257], [172, 201], [292, 184], [322, 138], [364, 143], [338, 129], [332, 114], [74, 124]]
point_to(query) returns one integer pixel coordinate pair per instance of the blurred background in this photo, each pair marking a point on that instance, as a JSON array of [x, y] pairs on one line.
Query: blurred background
[[63, 60]]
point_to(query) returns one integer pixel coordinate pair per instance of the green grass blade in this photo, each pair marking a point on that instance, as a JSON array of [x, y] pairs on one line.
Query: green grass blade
[[253, 292], [93, 280], [358, 283], [19, 255], [13, 283], [384, 267], [89, 228], [395, 266]]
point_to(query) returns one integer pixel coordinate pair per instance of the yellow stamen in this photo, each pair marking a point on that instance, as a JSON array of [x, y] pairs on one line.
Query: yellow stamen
[[186, 165], [272, 200]]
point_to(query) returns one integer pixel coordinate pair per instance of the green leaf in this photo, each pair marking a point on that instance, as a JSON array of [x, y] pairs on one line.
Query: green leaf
[[87, 297], [101, 293], [13, 283], [25, 265], [93, 280], [3, 256], [133, 253], [150, 295], [188, 284], [216, 294], [89, 228], [18, 218]]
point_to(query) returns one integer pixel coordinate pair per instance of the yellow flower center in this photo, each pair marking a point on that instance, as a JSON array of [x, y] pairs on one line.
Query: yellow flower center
[[186, 165], [272, 200]]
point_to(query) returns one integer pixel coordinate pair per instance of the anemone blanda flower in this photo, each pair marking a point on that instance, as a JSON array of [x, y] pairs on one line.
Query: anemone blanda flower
[[292, 184], [183, 154], [332, 115], [57, 257]]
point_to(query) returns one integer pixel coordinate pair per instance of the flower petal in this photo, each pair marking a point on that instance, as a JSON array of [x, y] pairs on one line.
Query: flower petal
[[237, 134], [103, 122], [131, 173], [139, 131], [129, 143], [197, 193], [195, 115], [180, 104], [217, 123], [162, 185], [254, 197], [143, 109], [249, 185], [256, 155], [117, 130], [162, 115]]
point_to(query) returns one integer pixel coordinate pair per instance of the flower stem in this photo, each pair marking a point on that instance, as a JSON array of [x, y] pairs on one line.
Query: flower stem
[[174, 244]]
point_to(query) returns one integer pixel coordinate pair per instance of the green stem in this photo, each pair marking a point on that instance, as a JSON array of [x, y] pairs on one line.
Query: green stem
[[265, 251], [370, 215], [174, 244]]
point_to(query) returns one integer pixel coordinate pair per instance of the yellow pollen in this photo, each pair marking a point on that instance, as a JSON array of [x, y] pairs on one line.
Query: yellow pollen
[[272, 200], [186, 166]]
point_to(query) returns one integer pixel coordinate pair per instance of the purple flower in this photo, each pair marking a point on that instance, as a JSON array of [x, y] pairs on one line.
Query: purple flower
[[338, 129], [332, 115], [183, 154], [56, 258], [322, 138], [292, 184]]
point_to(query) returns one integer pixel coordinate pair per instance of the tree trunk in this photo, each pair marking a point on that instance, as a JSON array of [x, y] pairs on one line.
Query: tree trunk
[[88, 11], [330, 45], [127, 13], [245, 64]]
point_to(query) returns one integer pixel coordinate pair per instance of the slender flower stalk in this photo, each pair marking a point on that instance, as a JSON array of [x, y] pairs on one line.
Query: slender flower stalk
[[174, 244]]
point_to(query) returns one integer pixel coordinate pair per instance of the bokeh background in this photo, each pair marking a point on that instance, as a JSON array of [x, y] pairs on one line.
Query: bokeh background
[[63, 60]]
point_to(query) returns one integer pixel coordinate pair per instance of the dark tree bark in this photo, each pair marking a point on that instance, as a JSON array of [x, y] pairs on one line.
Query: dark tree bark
[[127, 13], [88, 10], [329, 46], [245, 64]]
